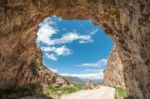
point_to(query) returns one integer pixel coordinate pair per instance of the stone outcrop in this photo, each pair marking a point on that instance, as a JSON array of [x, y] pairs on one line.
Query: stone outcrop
[[114, 73], [126, 21], [90, 84]]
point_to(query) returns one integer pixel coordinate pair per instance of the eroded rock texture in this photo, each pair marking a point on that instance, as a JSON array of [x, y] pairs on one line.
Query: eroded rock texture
[[20, 57], [113, 73], [126, 21]]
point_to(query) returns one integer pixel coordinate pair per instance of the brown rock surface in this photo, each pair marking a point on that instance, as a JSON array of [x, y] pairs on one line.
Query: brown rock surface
[[126, 21], [113, 73], [90, 84]]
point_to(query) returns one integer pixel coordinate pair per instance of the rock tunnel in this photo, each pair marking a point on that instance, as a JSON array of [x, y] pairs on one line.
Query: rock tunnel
[[126, 22]]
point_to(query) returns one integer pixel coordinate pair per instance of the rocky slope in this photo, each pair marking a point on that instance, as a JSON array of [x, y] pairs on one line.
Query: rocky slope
[[75, 81], [126, 21], [113, 74]]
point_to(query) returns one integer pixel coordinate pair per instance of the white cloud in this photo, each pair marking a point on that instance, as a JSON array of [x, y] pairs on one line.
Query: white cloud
[[47, 30], [70, 37], [62, 51], [90, 73], [48, 49], [86, 76], [44, 34], [93, 70], [46, 22], [94, 32], [56, 52], [99, 63], [89, 65], [53, 69], [51, 56]]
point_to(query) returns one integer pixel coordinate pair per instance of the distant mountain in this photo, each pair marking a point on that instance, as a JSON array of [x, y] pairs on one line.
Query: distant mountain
[[95, 81], [75, 80], [81, 82]]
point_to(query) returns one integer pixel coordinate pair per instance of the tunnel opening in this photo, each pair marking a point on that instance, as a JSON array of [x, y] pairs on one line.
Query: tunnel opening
[[126, 22], [74, 49]]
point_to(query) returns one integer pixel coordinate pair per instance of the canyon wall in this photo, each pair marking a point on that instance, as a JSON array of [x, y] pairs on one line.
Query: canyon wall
[[20, 57], [114, 73], [126, 21]]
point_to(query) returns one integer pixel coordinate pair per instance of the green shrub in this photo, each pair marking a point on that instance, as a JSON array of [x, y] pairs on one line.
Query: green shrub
[[121, 92], [58, 91], [70, 89]]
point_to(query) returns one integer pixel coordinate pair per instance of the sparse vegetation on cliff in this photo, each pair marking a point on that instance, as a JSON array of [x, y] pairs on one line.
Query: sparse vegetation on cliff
[[56, 92], [121, 92]]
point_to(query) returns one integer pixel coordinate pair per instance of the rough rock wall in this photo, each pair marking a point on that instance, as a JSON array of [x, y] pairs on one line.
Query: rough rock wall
[[20, 57], [113, 73], [20, 61], [126, 21]]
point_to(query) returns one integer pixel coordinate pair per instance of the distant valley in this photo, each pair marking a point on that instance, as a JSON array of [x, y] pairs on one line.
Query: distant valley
[[81, 82]]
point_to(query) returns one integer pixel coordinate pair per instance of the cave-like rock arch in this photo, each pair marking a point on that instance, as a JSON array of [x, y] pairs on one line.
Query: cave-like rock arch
[[126, 21]]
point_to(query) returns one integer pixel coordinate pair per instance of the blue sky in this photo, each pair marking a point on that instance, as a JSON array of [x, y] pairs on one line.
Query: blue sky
[[74, 47]]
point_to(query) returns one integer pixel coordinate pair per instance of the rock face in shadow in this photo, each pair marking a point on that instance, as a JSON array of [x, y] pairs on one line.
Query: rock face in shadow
[[113, 74], [126, 21], [20, 57]]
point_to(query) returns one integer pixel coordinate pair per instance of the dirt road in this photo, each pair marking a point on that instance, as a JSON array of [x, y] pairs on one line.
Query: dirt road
[[102, 93]]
